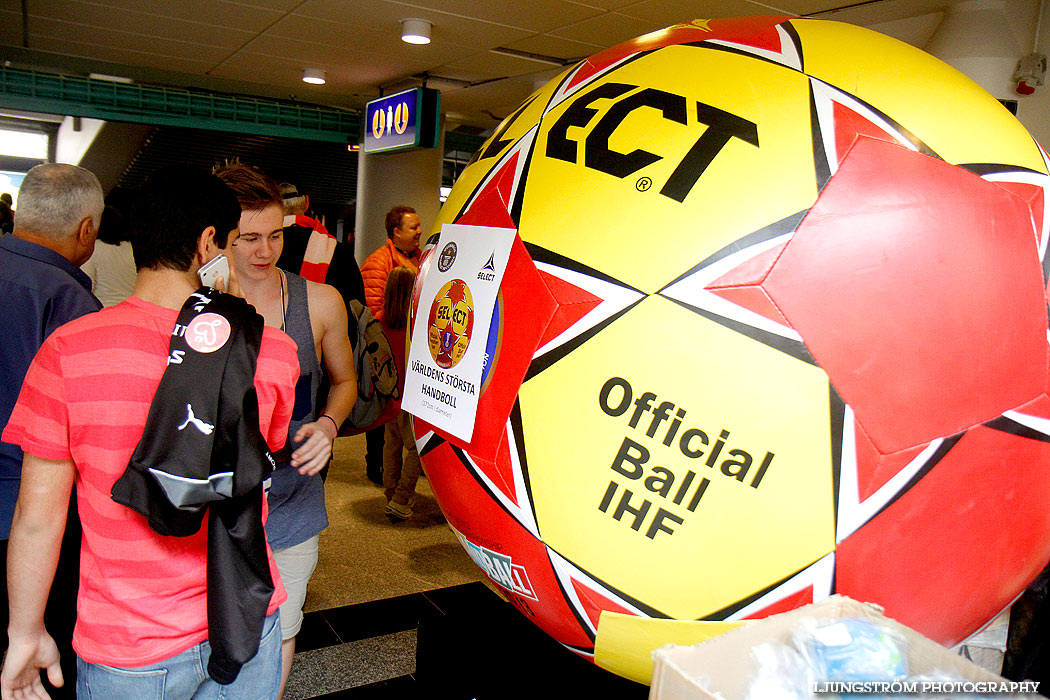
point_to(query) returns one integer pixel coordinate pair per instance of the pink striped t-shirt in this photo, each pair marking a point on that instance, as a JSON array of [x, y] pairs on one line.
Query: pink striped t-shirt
[[87, 396]]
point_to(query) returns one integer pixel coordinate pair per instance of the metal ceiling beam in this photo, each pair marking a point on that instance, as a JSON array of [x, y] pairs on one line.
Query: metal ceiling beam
[[149, 104]]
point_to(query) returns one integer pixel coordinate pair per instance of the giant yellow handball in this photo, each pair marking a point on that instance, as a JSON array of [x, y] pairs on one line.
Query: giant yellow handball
[[775, 327]]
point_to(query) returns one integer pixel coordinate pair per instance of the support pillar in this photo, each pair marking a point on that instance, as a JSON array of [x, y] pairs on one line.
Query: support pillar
[[385, 180]]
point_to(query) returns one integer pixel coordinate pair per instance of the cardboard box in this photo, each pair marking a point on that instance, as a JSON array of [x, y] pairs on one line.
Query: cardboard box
[[725, 661]]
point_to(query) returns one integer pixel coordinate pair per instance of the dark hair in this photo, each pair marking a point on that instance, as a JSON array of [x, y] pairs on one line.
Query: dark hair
[[7, 218], [113, 230], [397, 296], [393, 218], [175, 205], [255, 189]]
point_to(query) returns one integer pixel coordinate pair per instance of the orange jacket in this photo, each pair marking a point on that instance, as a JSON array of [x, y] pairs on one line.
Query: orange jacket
[[377, 268]]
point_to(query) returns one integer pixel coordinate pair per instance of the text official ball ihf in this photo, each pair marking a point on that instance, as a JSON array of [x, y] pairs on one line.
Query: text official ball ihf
[[775, 328]]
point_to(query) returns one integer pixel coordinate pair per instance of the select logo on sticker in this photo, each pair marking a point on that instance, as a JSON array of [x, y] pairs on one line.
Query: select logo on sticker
[[207, 332], [488, 270], [451, 323], [447, 257], [501, 570]]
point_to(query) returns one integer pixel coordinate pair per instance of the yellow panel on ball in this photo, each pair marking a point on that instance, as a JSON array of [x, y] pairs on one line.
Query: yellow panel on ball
[[715, 460], [858, 61], [507, 134], [627, 138]]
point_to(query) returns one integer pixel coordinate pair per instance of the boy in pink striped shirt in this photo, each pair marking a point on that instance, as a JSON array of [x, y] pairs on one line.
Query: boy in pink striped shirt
[[142, 625]]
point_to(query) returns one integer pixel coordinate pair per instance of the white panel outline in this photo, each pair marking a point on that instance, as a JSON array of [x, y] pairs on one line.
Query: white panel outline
[[587, 655], [852, 512], [421, 440], [1036, 423], [1042, 181], [563, 92], [567, 572], [1038, 180], [615, 298], [523, 514], [787, 56], [820, 575], [692, 290], [522, 511], [824, 97], [521, 146]]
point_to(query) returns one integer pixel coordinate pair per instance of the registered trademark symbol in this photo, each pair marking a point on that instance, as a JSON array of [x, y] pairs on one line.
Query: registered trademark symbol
[[643, 184]]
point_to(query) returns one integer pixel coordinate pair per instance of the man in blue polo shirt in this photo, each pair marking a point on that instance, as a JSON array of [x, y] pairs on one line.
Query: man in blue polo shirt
[[42, 287]]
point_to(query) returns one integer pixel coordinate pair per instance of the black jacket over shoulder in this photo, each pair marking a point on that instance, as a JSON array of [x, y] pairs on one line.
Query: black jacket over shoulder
[[202, 452]]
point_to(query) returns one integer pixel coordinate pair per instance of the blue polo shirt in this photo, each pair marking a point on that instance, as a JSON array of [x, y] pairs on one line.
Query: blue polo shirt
[[39, 290]]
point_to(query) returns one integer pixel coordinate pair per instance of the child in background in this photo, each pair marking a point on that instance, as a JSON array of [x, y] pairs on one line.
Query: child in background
[[400, 471]]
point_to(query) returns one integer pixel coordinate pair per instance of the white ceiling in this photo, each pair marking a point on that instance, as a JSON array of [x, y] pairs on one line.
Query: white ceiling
[[261, 47]]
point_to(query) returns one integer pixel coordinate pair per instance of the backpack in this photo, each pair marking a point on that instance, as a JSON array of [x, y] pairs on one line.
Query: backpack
[[377, 375]]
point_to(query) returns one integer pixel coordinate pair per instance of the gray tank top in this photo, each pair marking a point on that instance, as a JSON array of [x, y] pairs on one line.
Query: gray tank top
[[297, 325], [297, 509]]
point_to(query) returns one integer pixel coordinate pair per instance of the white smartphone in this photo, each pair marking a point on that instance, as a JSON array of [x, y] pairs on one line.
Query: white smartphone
[[211, 271]]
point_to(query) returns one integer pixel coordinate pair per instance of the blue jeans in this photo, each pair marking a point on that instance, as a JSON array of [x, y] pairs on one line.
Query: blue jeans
[[185, 676]]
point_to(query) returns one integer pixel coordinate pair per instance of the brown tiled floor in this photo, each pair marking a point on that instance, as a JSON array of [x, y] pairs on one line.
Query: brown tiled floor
[[363, 556], [400, 611]]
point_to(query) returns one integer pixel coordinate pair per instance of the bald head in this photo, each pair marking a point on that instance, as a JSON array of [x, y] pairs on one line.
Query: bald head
[[55, 197]]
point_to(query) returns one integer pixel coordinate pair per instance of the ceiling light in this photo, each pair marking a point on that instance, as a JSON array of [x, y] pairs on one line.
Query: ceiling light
[[314, 76], [415, 31], [110, 78]]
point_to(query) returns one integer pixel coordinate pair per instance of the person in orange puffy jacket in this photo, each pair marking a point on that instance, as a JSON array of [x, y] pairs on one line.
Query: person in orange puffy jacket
[[401, 249], [403, 230]]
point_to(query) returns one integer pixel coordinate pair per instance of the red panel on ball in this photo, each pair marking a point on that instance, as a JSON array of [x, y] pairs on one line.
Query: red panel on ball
[[939, 320], [753, 299], [751, 271], [531, 306], [790, 602], [489, 527], [573, 304], [1039, 408], [594, 603], [1033, 194], [967, 537], [492, 205], [759, 32], [875, 469], [849, 126]]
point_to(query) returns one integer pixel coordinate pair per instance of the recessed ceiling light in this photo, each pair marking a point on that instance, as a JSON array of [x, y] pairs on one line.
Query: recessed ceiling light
[[110, 78], [415, 31], [314, 76]]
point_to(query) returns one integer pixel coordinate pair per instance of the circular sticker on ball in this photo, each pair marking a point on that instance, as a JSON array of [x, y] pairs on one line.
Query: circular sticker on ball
[[451, 323], [207, 332]]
